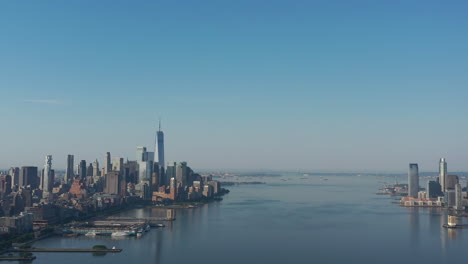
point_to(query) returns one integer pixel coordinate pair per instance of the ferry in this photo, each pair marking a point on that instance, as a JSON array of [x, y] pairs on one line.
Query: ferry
[[120, 234], [91, 234]]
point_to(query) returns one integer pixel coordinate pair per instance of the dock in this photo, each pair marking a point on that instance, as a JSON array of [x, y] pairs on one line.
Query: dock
[[143, 219]]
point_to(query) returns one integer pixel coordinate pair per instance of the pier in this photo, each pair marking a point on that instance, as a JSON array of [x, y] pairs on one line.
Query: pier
[[145, 219]]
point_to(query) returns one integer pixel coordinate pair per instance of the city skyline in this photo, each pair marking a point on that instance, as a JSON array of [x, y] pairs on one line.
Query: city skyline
[[316, 85]]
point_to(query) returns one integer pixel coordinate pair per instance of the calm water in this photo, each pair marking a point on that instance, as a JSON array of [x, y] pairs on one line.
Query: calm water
[[295, 221]]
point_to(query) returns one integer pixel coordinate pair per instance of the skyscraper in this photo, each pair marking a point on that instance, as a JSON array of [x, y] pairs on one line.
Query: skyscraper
[[182, 173], [28, 176], [458, 197], [443, 174], [15, 174], [413, 180], [47, 176], [159, 148], [69, 175], [108, 167], [96, 168], [82, 169], [140, 154]]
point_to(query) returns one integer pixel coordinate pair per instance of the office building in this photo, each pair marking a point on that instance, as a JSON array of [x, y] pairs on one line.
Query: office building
[[112, 183], [182, 173], [108, 166], [117, 164], [82, 172], [170, 172], [14, 172], [434, 189], [413, 180], [458, 198], [28, 176], [159, 148], [96, 171], [443, 174], [451, 181], [69, 175], [140, 154], [47, 179]]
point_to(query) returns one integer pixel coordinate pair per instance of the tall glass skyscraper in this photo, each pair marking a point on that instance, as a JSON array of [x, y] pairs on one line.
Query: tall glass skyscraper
[[413, 180], [69, 175], [443, 174], [47, 176], [159, 148]]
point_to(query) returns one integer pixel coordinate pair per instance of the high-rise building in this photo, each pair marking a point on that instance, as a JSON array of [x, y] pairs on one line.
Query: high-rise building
[[96, 170], [434, 189], [28, 176], [141, 154], [117, 164], [108, 167], [14, 172], [458, 197], [82, 171], [413, 180], [69, 175], [170, 172], [182, 173], [450, 182], [112, 183], [47, 176], [159, 148], [443, 174], [5, 185]]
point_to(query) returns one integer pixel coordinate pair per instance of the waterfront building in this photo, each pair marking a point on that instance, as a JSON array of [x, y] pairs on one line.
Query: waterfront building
[[207, 191], [413, 180], [82, 169], [159, 148], [108, 166], [450, 198], [443, 174], [434, 189], [28, 176], [17, 224], [69, 175], [451, 181]]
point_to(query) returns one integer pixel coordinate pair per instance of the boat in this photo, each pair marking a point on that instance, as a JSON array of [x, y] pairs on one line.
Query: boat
[[91, 234], [147, 228], [120, 234], [159, 225]]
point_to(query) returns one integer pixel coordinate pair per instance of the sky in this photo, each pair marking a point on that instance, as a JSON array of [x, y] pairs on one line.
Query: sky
[[246, 84]]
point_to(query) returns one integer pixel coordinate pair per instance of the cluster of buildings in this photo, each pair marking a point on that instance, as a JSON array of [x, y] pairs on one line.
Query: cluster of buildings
[[32, 197], [445, 191]]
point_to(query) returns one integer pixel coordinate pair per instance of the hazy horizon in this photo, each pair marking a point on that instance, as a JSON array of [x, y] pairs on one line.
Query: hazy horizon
[[313, 85]]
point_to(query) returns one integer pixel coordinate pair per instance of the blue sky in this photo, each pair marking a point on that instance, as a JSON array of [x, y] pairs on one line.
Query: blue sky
[[319, 85]]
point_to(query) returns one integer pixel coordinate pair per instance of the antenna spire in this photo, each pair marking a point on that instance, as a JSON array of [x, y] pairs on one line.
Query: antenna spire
[[159, 123]]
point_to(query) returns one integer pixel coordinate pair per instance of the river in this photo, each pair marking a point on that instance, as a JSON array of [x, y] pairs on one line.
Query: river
[[291, 219]]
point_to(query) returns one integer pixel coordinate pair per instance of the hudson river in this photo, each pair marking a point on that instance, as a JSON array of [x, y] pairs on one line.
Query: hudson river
[[291, 219]]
